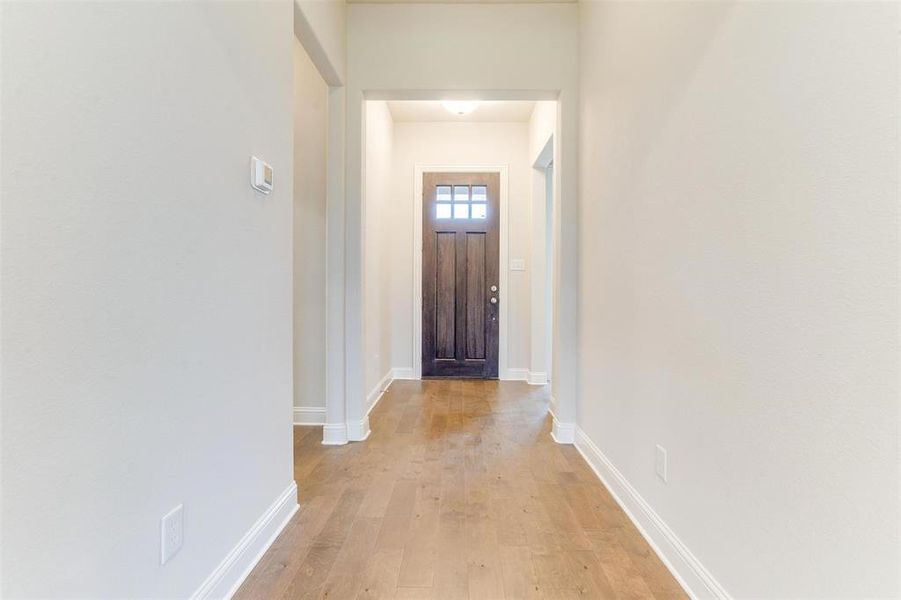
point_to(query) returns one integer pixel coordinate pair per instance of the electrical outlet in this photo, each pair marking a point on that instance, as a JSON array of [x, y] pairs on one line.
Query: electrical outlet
[[172, 533], [660, 463]]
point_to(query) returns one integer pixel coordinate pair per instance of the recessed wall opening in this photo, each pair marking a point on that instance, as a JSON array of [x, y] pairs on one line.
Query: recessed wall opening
[[309, 239], [457, 206]]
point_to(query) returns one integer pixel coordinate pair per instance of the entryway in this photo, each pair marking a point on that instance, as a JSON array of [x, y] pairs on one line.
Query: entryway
[[457, 251]]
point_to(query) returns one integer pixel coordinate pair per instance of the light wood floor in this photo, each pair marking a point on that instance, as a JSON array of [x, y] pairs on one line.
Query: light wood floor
[[458, 493]]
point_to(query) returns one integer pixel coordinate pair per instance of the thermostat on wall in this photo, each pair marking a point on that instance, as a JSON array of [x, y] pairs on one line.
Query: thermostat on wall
[[260, 175]]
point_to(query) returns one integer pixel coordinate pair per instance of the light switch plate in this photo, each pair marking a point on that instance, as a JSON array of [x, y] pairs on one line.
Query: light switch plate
[[260, 175], [517, 264], [172, 533], [660, 463]]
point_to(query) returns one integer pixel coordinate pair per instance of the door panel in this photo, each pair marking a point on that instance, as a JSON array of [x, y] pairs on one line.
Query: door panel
[[446, 305], [475, 295], [459, 266]]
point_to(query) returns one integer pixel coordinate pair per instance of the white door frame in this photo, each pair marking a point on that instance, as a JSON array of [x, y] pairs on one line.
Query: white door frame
[[418, 170]]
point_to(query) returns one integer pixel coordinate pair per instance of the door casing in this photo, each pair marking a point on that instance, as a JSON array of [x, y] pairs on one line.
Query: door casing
[[418, 170]]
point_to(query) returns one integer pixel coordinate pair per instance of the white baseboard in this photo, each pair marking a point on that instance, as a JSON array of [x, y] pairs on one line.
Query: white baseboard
[[237, 565], [563, 433], [378, 391], [309, 415], [697, 581], [536, 378], [358, 431], [403, 373], [531, 377], [514, 374], [334, 434], [339, 434]]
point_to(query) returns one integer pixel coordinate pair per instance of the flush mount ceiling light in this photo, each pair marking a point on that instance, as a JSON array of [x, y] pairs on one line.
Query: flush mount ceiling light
[[460, 107]]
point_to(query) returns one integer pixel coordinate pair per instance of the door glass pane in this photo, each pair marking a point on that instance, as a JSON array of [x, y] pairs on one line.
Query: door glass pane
[[461, 211], [443, 211], [443, 193], [461, 193], [479, 211], [479, 193]]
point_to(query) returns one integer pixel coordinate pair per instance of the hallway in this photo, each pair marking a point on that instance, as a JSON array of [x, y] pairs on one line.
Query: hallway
[[460, 492]]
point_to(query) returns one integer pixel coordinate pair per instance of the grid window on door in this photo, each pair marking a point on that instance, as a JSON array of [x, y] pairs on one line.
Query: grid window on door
[[461, 202]]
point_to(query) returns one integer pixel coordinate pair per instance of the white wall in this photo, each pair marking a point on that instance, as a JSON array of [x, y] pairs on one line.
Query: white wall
[[500, 50], [146, 289], [739, 282], [321, 27], [542, 124], [450, 144], [310, 135], [378, 231]]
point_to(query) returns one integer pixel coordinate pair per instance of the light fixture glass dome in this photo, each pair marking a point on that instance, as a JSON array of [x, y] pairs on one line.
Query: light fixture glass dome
[[460, 107]]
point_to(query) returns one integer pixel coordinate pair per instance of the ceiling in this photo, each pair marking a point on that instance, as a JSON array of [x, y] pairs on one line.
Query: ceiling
[[488, 111], [461, 1]]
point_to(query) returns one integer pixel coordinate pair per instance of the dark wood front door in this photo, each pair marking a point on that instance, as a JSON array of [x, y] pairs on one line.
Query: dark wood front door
[[460, 295]]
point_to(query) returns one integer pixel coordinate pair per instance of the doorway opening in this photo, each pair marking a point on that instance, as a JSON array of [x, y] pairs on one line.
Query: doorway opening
[[455, 280], [310, 167], [543, 237], [549, 267]]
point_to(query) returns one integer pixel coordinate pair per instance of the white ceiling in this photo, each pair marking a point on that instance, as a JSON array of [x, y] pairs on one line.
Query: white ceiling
[[461, 1], [488, 111]]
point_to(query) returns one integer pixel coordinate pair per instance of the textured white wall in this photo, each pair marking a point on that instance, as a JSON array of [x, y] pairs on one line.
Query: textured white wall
[[310, 135], [146, 289], [378, 231], [457, 144], [739, 281]]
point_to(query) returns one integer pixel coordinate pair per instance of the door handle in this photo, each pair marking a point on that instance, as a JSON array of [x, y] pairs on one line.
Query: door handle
[[493, 300]]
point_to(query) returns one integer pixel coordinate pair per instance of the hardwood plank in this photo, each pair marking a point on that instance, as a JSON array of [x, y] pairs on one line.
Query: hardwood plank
[[380, 578], [343, 580], [413, 593], [420, 551], [520, 581], [396, 524], [327, 545]]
